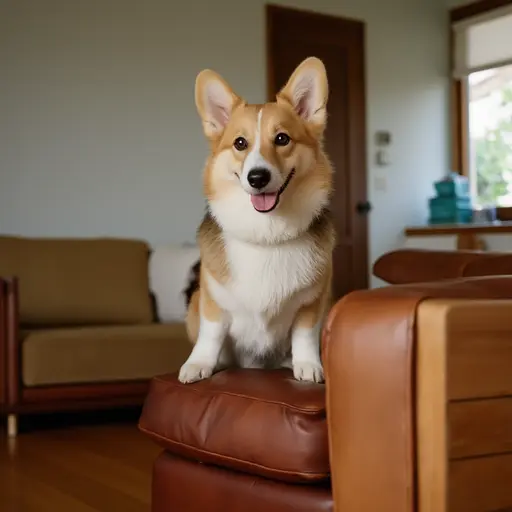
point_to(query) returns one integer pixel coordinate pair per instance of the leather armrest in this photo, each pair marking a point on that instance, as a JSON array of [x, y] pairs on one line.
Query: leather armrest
[[492, 265], [368, 348], [415, 265]]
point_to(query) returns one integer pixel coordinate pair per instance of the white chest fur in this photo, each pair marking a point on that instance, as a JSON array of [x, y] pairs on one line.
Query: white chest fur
[[267, 287]]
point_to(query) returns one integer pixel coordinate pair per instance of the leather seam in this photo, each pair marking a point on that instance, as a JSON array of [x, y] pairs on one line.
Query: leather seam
[[312, 411], [322, 476], [409, 406]]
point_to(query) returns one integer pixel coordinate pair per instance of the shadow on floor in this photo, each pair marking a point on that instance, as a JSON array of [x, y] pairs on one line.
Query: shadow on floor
[[63, 420]]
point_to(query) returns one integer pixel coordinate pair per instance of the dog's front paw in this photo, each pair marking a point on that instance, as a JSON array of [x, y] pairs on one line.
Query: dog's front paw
[[310, 372], [192, 372]]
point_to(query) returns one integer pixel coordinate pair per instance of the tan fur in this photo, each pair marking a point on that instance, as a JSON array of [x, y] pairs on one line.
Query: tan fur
[[235, 238], [201, 301], [206, 76], [192, 319], [213, 254], [276, 117], [214, 263], [209, 308], [309, 315]]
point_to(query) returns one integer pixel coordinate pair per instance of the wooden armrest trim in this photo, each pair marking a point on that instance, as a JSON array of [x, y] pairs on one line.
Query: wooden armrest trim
[[3, 343], [464, 405], [369, 345], [12, 351]]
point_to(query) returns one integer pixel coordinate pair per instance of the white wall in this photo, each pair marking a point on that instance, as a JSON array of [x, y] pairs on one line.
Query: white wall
[[99, 133]]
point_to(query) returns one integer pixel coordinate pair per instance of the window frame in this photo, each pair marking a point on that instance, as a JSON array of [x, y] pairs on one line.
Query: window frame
[[459, 96]]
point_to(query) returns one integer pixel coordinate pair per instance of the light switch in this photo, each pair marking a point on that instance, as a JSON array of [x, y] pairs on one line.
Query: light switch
[[383, 157]]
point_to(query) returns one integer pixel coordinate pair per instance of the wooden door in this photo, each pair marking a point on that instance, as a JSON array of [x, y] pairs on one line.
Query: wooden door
[[293, 35]]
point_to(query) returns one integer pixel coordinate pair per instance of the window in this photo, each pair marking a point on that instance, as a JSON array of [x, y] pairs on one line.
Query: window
[[482, 70], [490, 136]]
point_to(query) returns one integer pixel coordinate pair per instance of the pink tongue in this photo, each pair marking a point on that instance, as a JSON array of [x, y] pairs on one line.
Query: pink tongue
[[264, 202]]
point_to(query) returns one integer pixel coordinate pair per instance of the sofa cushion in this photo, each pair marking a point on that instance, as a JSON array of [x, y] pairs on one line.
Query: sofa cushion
[[102, 354], [79, 281], [258, 421]]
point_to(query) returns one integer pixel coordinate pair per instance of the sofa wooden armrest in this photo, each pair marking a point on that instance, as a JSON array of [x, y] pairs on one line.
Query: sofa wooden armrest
[[9, 363], [16, 398], [464, 405], [3, 341], [391, 370], [71, 335], [9, 350]]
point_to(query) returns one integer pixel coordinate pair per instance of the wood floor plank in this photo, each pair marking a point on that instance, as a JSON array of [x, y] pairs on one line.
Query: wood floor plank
[[79, 469], [118, 443], [19, 492], [98, 467]]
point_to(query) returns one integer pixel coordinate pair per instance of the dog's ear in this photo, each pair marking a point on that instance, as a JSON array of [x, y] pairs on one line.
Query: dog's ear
[[307, 91], [215, 101]]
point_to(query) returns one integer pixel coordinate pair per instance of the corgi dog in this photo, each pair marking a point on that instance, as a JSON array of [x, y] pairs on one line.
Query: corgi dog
[[261, 289]]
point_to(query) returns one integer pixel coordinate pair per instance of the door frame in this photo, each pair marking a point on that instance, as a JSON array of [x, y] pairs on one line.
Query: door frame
[[357, 120]]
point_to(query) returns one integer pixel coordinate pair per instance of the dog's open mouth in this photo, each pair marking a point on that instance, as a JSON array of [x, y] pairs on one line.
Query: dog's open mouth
[[268, 201]]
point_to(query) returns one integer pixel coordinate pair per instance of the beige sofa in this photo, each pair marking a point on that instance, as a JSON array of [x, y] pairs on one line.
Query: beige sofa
[[78, 325]]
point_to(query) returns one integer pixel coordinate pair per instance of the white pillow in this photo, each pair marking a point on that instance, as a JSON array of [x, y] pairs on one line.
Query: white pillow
[[169, 271]]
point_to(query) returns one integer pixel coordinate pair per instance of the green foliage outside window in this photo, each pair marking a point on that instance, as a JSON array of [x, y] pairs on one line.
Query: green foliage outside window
[[494, 157]]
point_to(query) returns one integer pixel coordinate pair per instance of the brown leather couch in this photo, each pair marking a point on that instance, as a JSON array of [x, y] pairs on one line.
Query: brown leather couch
[[78, 327], [416, 413]]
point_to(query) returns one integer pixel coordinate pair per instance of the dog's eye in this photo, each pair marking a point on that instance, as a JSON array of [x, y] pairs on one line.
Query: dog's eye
[[240, 144], [282, 139]]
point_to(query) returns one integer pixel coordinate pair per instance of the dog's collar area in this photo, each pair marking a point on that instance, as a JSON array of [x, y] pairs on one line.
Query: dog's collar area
[[279, 192]]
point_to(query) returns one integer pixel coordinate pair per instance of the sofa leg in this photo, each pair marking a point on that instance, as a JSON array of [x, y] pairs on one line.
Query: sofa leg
[[12, 425]]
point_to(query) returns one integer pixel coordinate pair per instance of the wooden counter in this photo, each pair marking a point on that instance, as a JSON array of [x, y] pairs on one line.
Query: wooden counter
[[467, 236]]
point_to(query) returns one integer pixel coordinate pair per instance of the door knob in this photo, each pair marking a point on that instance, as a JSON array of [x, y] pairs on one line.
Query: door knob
[[363, 207]]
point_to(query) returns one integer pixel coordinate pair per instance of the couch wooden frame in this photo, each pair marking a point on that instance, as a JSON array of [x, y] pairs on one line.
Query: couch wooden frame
[[16, 399]]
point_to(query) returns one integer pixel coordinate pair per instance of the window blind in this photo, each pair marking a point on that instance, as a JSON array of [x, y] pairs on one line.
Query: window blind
[[483, 42]]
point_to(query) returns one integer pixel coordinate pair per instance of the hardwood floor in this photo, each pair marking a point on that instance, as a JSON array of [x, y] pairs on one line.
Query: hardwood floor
[[94, 468]]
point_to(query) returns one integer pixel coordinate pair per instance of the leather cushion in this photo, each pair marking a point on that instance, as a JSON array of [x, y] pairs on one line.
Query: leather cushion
[[259, 421], [187, 486]]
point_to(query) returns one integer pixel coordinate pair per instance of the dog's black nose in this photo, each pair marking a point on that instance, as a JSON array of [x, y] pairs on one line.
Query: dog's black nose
[[259, 177]]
